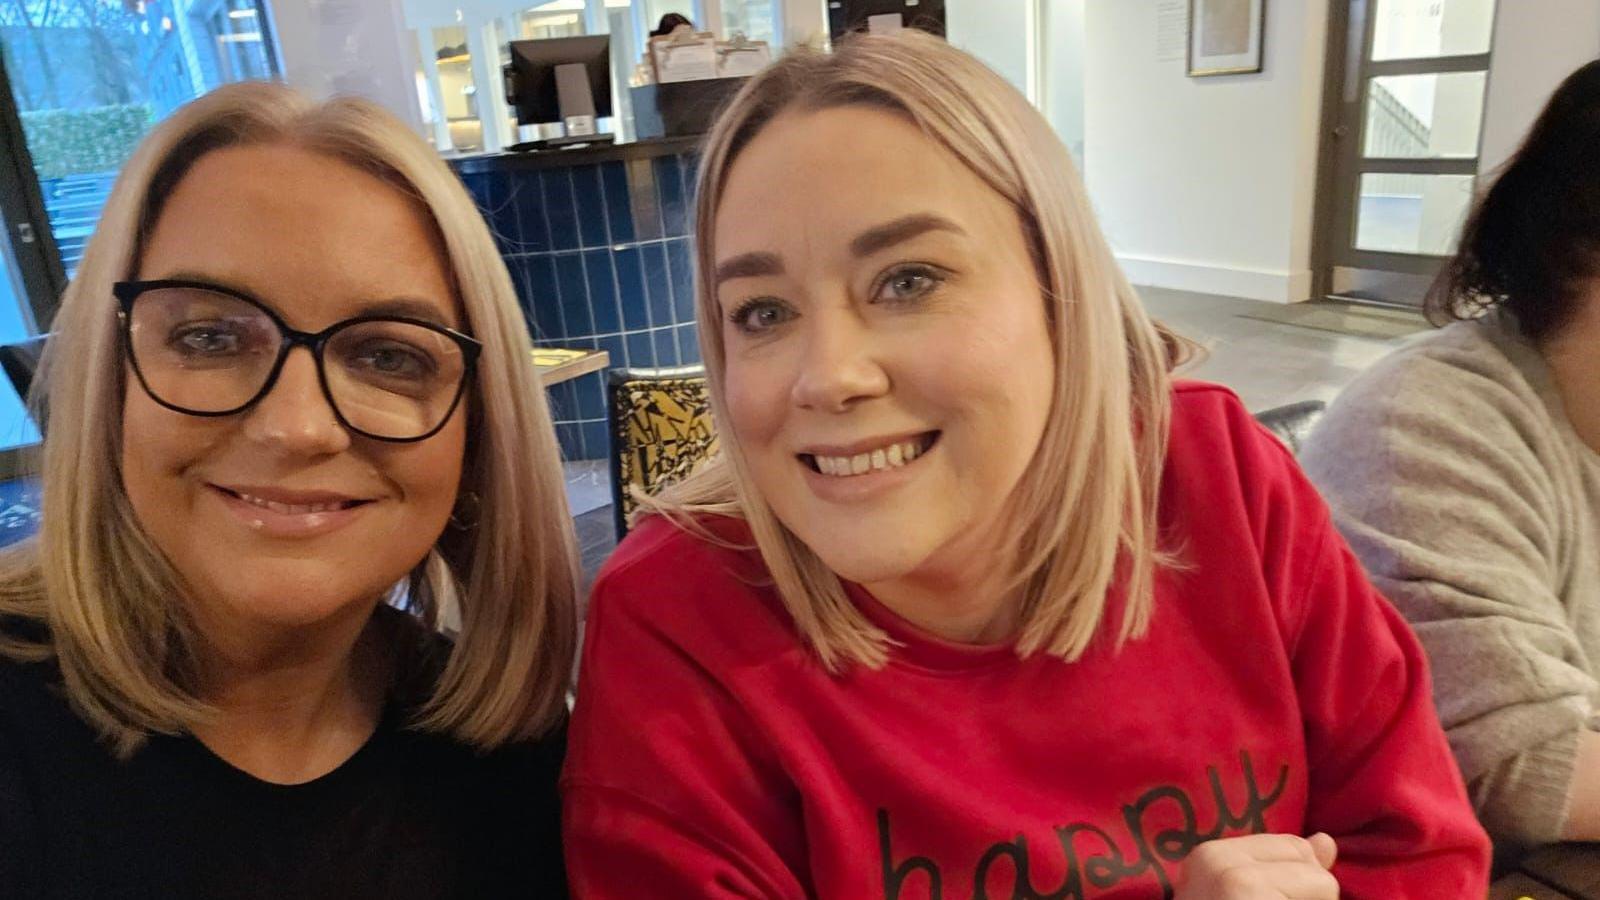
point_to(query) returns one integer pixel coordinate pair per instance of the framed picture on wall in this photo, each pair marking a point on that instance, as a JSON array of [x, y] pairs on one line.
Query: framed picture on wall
[[1225, 36]]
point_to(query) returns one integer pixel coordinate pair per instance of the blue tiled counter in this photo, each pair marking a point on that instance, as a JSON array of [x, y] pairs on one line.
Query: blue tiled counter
[[598, 244]]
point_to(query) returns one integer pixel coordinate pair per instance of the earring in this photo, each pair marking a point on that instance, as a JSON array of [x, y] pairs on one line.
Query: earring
[[468, 510]]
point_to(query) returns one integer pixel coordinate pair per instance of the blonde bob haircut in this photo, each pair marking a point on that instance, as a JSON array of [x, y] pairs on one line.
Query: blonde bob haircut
[[112, 605], [1083, 519]]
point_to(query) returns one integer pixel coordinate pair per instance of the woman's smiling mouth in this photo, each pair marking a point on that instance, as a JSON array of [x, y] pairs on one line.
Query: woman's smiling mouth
[[280, 513], [876, 456]]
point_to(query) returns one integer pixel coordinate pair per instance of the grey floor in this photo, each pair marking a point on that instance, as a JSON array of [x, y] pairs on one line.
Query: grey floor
[[1267, 363]]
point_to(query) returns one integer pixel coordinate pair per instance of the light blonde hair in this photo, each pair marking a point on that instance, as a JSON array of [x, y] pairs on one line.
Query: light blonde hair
[[111, 603], [1083, 519]]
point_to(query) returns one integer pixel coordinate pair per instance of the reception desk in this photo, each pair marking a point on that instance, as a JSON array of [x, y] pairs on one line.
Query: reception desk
[[598, 243]]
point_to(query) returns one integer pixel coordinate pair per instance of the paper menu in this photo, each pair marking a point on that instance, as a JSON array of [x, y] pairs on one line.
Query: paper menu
[[684, 56], [741, 57]]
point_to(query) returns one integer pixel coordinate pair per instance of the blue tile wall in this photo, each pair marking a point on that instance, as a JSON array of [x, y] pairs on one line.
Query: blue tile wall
[[641, 349], [601, 256], [619, 215]]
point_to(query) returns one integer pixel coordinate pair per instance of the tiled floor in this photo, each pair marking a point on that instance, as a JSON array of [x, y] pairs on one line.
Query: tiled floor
[[1267, 363]]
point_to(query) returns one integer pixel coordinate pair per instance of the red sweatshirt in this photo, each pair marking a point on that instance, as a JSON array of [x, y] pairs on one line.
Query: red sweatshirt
[[712, 756]]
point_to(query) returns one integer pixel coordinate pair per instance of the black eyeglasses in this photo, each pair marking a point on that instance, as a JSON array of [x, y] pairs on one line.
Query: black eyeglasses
[[207, 350]]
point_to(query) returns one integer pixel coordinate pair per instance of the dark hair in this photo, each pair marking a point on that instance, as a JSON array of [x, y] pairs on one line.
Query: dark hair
[[1533, 238], [669, 22]]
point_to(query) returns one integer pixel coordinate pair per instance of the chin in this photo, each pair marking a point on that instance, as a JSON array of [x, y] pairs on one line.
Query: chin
[[862, 563], [293, 597]]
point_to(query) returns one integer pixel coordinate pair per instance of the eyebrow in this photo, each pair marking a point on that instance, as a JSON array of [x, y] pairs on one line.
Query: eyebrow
[[404, 307], [748, 265], [873, 240], [900, 230]]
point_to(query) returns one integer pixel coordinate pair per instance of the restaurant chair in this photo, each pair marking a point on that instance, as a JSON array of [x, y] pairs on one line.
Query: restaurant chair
[[1293, 423], [21, 362], [661, 429]]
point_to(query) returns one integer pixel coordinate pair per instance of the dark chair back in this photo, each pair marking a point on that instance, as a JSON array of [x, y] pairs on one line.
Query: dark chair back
[[21, 362], [661, 430], [1293, 423]]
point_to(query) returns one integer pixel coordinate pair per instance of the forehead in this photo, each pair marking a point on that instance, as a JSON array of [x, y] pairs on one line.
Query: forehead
[[821, 176], [313, 235]]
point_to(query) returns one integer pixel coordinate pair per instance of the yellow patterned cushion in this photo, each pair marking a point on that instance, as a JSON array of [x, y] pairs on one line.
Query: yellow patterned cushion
[[663, 430]]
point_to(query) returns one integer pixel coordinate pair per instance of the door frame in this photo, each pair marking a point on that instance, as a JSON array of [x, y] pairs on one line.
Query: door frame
[[1346, 73], [22, 206]]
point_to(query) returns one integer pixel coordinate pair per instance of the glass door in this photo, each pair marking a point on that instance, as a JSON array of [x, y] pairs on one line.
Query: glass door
[[89, 78], [80, 84], [30, 281], [1400, 162]]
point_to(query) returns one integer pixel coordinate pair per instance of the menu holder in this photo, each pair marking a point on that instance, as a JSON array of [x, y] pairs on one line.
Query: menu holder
[[741, 56], [684, 55]]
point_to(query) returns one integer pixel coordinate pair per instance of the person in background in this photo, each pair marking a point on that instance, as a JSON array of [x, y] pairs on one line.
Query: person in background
[[669, 23], [1463, 471], [293, 427], [977, 600]]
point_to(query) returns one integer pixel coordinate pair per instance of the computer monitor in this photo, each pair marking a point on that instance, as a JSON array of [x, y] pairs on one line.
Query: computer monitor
[[845, 16], [565, 80]]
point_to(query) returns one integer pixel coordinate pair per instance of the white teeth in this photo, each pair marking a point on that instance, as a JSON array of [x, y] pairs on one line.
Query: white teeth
[[289, 509], [892, 456]]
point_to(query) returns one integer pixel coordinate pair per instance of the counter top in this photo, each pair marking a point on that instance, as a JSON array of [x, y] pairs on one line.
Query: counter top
[[475, 163]]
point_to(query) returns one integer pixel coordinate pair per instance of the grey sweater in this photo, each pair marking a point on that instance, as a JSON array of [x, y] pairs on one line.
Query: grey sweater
[[1455, 476]]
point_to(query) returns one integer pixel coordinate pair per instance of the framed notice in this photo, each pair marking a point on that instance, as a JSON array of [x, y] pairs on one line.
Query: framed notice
[[1225, 36]]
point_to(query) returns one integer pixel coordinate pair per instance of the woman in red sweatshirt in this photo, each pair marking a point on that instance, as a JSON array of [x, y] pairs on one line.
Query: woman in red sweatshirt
[[978, 601]]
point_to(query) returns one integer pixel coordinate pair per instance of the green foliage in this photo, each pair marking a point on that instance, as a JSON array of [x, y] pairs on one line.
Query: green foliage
[[84, 141]]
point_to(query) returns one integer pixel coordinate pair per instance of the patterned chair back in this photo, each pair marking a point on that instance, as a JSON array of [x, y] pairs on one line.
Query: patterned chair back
[[661, 430]]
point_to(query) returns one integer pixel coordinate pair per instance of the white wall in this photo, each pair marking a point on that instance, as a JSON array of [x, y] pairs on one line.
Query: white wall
[[1205, 184], [805, 22], [1061, 59], [995, 31], [1536, 45], [355, 47]]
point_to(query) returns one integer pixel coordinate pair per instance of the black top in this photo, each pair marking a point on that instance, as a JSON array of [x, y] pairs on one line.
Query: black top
[[410, 815]]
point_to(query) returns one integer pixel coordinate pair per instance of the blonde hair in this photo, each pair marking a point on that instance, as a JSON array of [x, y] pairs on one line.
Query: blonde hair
[[1083, 519], [124, 643]]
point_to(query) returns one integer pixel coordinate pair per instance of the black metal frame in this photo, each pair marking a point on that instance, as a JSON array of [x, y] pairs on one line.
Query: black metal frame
[[26, 229], [1351, 28]]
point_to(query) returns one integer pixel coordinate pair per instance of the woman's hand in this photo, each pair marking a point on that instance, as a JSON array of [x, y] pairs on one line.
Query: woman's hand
[[1261, 867]]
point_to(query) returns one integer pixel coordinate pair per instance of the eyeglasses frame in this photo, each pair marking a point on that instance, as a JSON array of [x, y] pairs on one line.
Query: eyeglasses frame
[[127, 292]]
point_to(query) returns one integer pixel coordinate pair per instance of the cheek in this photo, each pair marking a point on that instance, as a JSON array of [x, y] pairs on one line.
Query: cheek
[[999, 374], [429, 472], [158, 444], [757, 397]]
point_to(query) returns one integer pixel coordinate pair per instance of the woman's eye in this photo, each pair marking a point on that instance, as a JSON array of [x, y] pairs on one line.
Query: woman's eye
[[392, 361], [761, 315], [909, 283], [206, 340]]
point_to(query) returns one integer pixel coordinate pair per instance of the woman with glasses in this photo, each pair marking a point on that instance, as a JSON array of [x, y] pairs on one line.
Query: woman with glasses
[[979, 602], [294, 441]]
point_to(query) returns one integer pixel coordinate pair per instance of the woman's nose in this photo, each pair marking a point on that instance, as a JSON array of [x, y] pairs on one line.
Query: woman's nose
[[295, 417], [841, 364]]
